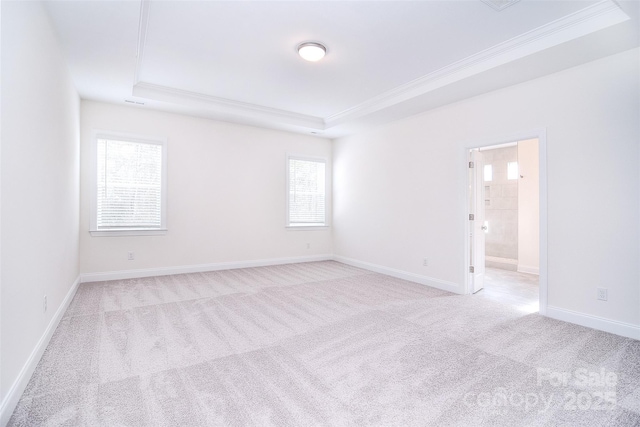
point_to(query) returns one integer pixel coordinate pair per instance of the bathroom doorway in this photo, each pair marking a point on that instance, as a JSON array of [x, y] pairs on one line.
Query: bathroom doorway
[[504, 238]]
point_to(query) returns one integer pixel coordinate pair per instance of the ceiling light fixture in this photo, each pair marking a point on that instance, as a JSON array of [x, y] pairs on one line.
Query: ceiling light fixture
[[312, 51]]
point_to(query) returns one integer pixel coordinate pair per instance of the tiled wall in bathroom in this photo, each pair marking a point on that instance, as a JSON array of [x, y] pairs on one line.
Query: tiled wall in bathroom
[[501, 204]]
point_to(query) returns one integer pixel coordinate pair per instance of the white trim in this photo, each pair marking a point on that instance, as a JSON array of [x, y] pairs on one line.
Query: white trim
[[600, 323], [307, 227], [2, 403], [327, 184], [585, 21], [197, 268], [542, 190], [528, 269], [226, 106], [20, 384], [142, 38], [541, 135], [93, 182], [15, 391], [128, 137], [590, 19], [501, 260], [497, 5], [412, 277], [140, 232], [493, 147]]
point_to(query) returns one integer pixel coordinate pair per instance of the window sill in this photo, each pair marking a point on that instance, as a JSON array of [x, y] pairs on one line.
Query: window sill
[[132, 232], [307, 227]]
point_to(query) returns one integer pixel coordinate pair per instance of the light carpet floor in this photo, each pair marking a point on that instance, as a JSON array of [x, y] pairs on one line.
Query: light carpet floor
[[320, 344]]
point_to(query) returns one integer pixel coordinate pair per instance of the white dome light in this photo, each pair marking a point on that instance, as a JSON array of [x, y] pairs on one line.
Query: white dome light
[[312, 51]]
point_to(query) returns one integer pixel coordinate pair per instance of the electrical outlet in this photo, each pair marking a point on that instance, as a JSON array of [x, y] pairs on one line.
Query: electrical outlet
[[130, 256], [44, 305], [602, 294], [425, 262]]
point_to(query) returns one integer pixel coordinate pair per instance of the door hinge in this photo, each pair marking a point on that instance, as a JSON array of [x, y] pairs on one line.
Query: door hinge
[[471, 165], [471, 269], [471, 217]]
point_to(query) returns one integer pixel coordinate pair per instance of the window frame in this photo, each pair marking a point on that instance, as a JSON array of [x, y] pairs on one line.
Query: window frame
[[133, 231], [323, 160]]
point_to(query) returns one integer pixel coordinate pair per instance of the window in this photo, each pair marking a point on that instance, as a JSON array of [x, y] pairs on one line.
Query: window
[[488, 172], [130, 186], [512, 170], [306, 184]]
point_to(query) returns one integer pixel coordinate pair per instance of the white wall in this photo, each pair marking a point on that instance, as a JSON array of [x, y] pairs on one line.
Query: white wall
[[226, 193], [528, 207], [399, 189], [40, 186]]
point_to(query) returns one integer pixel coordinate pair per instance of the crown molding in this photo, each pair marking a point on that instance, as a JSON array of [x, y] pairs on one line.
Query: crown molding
[[499, 5], [585, 21], [222, 106], [142, 38], [598, 16], [225, 106]]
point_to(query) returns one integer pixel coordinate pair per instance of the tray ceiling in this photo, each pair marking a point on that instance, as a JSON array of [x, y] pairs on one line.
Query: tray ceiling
[[237, 60]]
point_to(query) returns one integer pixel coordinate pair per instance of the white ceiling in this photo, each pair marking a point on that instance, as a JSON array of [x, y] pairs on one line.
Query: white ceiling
[[237, 60]]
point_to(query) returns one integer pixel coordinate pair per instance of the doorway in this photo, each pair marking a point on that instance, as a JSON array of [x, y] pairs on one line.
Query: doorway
[[506, 232]]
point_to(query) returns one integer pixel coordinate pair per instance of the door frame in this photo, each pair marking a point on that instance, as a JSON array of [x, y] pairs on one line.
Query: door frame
[[477, 244], [541, 135]]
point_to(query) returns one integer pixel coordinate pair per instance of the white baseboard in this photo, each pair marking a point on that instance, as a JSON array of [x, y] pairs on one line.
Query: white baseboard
[[197, 268], [510, 261], [613, 326], [528, 269], [15, 391], [412, 277]]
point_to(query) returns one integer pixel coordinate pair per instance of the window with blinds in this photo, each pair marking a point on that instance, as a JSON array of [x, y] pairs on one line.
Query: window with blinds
[[129, 190], [306, 192]]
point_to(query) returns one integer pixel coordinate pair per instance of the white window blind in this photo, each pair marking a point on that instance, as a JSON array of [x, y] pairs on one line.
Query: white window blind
[[306, 192], [129, 185]]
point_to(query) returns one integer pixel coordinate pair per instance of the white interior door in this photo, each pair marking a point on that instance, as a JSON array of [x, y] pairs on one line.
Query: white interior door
[[476, 225]]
